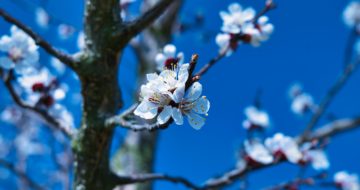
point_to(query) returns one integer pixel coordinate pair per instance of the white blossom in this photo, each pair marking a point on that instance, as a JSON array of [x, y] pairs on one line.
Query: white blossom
[[258, 32], [226, 43], [347, 181], [42, 88], [242, 26], [158, 92], [352, 14], [302, 103], [191, 104], [21, 52], [42, 17], [256, 118], [281, 145], [316, 157], [168, 58], [236, 18], [257, 152]]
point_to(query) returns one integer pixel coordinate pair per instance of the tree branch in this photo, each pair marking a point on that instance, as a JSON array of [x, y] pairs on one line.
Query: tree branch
[[133, 28], [334, 90], [63, 57], [20, 174], [123, 180], [329, 130], [43, 114]]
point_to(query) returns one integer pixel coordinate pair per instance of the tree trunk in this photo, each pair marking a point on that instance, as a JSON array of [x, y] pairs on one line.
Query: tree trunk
[[137, 154]]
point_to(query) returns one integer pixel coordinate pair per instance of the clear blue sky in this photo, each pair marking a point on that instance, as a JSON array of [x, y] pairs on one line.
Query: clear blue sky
[[307, 47]]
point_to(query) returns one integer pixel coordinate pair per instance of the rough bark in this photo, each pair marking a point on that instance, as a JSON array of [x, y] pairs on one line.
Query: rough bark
[[98, 74], [137, 154]]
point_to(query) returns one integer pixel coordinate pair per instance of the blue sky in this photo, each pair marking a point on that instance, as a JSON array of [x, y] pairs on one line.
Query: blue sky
[[307, 47]]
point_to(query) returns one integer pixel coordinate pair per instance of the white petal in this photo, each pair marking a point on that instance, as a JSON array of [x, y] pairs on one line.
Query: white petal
[[235, 7], [222, 40], [152, 76], [23, 68], [194, 92], [319, 159], [177, 116], [5, 43], [248, 14], [179, 94], [165, 115], [263, 20], [202, 105], [160, 60], [258, 152], [146, 110], [169, 50], [183, 74], [195, 120], [6, 63]]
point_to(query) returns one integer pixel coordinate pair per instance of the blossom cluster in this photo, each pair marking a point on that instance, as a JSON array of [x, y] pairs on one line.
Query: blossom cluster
[[42, 90], [352, 14], [18, 51], [256, 118], [242, 26], [166, 96], [346, 181], [281, 147], [302, 102]]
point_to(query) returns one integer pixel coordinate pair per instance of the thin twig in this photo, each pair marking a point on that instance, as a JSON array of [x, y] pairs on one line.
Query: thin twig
[[133, 28], [63, 57], [334, 90], [313, 181], [46, 116], [20, 174], [155, 177], [211, 63], [329, 130]]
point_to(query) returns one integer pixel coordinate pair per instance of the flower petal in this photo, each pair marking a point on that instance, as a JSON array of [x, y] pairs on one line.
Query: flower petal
[[177, 116], [165, 115], [169, 50], [202, 105], [194, 92], [195, 120], [6, 63], [179, 94], [152, 76], [146, 110]]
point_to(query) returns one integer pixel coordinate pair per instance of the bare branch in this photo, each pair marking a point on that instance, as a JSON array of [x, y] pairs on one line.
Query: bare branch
[[334, 90], [329, 130], [211, 63], [43, 114], [123, 180], [63, 57], [20, 174], [133, 28]]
